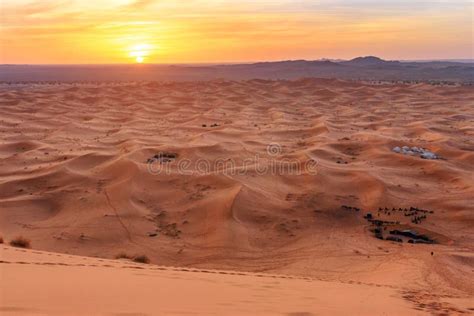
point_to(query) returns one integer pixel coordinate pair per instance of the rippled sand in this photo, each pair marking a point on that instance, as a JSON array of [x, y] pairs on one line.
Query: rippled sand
[[74, 178]]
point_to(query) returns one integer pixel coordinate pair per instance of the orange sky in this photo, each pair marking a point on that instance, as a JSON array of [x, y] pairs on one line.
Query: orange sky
[[187, 31]]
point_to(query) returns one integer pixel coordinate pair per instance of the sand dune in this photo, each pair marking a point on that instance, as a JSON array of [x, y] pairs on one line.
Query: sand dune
[[75, 178], [120, 287]]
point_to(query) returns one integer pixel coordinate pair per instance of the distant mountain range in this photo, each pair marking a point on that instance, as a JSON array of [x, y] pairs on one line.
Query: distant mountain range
[[369, 61], [366, 68]]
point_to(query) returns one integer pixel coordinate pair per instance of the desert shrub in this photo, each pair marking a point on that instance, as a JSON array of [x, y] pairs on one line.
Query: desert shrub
[[20, 242], [141, 259], [123, 255]]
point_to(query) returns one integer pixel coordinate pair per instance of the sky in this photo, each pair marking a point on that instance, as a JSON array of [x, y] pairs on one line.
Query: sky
[[214, 31]]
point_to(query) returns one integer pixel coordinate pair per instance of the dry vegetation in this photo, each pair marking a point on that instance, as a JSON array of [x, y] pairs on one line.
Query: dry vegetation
[[138, 258], [20, 242], [141, 259], [123, 255]]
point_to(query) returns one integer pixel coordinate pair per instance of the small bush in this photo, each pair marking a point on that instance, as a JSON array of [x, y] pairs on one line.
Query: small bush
[[20, 242], [123, 255], [141, 259]]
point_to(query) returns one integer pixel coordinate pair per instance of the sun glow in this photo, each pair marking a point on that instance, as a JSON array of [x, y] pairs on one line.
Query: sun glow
[[215, 31], [140, 51]]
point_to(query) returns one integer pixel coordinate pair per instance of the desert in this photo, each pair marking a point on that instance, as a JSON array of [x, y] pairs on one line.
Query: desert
[[253, 157], [317, 185]]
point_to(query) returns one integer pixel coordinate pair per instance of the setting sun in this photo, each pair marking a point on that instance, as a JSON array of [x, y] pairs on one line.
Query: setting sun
[[140, 51]]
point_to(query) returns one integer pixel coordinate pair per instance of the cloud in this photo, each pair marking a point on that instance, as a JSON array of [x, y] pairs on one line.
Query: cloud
[[199, 29], [139, 4]]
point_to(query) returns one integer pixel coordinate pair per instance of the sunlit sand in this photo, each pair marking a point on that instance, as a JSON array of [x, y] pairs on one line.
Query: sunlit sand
[[261, 157], [77, 179]]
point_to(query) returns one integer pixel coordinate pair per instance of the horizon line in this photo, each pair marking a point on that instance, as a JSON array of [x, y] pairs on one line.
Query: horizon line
[[465, 60]]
